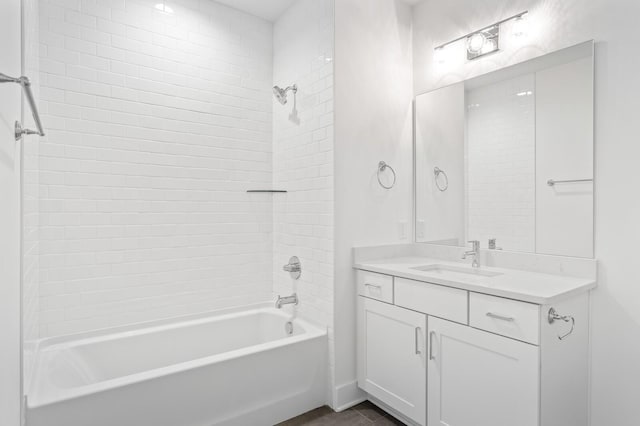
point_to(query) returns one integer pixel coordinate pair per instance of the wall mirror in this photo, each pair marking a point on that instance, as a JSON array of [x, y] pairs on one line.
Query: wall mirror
[[508, 157]]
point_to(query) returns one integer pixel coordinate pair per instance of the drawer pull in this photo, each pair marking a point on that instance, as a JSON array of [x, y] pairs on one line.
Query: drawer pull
[[500, 317], [417, 333], [431, 334], [379, 287]]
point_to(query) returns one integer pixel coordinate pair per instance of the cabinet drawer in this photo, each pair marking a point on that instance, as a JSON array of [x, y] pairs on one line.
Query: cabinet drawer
[[375, 286], [510, 318], [431, 299]]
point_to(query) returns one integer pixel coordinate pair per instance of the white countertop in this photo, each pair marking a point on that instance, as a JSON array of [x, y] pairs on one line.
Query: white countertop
[[533, 287]]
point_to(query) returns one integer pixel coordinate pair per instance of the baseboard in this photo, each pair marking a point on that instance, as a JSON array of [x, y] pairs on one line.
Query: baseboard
[[392, 412], [348, 395]]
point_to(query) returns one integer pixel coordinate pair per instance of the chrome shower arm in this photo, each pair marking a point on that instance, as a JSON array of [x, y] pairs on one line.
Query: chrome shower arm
[[26, 87]]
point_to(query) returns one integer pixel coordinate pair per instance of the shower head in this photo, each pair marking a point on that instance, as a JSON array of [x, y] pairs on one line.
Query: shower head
[[281, 94]]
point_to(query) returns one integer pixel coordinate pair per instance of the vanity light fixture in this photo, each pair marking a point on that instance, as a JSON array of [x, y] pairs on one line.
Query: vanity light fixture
[[439, 55], [521, 26], [486, 40]]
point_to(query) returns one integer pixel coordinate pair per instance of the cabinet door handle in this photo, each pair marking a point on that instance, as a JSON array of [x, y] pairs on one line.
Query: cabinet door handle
[[417, 333], [500, 317], [431, 334]]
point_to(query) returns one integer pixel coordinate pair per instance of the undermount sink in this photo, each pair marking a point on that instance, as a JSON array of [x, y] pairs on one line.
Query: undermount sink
[[447, 269]]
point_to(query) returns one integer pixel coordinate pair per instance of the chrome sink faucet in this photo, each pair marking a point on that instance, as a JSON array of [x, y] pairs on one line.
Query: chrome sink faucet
[[475, 252], [289, 300]]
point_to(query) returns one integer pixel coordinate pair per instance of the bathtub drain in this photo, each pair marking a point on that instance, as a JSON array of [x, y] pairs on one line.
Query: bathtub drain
[[288, 328]]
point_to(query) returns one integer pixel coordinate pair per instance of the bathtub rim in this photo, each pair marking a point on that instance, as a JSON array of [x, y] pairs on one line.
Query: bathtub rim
[[38, 344], [51, 344]]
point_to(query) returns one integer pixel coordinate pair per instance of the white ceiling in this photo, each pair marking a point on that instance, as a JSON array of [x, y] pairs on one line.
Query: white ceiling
[[271, 9]]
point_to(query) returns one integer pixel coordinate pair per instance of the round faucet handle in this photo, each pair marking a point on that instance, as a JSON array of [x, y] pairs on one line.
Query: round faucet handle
[[294, 267]]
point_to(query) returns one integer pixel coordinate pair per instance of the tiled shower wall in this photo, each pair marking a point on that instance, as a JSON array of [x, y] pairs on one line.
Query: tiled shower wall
[[157, 125], [303, 157]]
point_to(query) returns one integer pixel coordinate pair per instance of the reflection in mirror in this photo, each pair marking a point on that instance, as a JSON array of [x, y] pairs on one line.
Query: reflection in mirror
[[487, 148]]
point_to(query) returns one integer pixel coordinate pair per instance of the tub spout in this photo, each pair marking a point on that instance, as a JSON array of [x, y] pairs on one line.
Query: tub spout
[[289, 300]]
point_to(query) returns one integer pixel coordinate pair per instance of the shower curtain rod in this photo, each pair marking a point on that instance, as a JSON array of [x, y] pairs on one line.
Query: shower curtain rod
[[26, 87]]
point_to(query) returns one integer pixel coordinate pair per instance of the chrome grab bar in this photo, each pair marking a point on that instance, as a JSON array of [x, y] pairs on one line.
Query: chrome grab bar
[[26, 87], [552, 182]]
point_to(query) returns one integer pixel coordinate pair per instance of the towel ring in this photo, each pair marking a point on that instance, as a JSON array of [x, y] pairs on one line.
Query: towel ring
[[553, 316], [382, 166], [437, 172]]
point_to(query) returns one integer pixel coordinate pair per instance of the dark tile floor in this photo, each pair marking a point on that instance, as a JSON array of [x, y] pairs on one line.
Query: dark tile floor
[[365, 414]]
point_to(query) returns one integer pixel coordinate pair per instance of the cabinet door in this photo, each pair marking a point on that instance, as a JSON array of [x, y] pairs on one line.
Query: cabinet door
[[392, 356], [480, 379]]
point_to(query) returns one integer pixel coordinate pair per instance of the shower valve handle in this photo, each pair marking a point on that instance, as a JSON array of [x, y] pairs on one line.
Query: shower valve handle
[[294, 267]]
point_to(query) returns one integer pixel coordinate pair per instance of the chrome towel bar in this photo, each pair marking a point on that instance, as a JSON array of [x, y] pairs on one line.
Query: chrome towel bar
[[552, 182], [26, 87]]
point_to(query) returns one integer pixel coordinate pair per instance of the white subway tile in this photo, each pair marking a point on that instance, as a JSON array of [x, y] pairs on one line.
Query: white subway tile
[[152, 145], [78, 45]]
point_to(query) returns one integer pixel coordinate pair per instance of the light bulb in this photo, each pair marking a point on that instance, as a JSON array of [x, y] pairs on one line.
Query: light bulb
[[475, 42], [488, 46]]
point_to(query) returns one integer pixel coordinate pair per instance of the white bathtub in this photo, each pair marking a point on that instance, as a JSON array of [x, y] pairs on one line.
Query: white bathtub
[[237, 367]]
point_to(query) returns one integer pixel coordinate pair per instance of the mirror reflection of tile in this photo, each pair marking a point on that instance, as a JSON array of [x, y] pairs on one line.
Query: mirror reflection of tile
[[501, 137]]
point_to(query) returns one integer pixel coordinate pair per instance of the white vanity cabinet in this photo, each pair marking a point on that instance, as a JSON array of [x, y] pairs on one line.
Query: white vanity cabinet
[[479, 378], [443, 356], [391, 356]]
